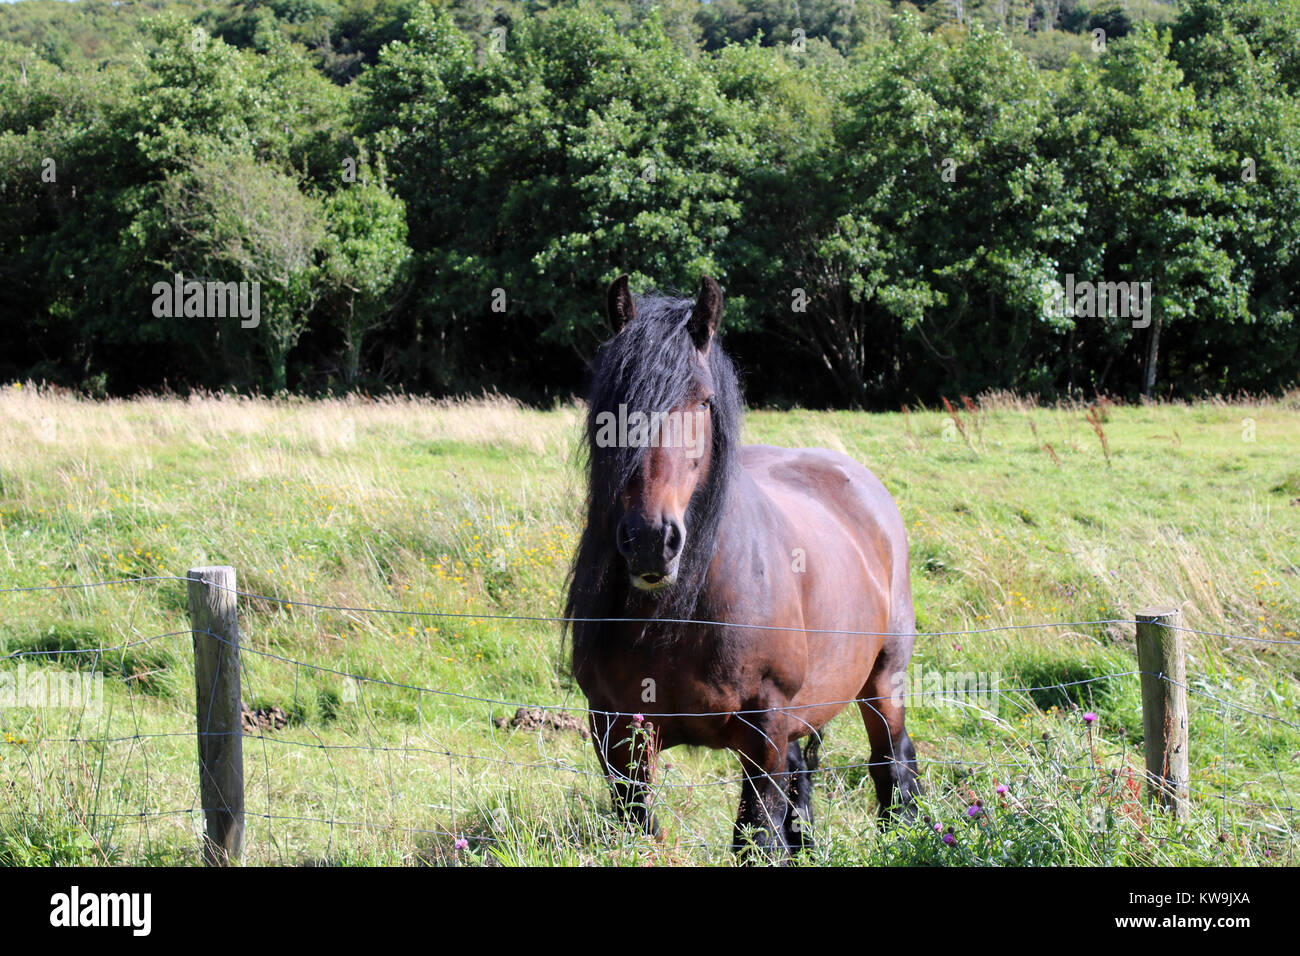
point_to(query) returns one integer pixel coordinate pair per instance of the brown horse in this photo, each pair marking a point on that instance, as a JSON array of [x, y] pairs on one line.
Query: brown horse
[[714, 585]]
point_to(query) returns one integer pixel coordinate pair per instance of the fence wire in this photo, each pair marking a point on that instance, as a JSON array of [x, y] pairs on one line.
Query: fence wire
[[840, 779]]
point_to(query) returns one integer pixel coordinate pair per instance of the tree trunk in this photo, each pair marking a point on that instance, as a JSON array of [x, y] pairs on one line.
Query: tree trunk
[[1153, 354], [276, 358], [1069, 358], [352, 332]]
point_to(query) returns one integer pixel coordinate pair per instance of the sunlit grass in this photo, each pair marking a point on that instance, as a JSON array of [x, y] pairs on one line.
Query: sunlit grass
[[473, 507]]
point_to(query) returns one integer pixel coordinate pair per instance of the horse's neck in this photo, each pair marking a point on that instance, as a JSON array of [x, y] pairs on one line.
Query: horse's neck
[[746, 507]]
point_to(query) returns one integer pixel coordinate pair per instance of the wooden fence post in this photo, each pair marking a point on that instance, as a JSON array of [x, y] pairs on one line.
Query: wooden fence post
[[1164, 706], [220, 727]]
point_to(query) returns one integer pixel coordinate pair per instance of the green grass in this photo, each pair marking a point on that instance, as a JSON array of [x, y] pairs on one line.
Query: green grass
[[474, 508]]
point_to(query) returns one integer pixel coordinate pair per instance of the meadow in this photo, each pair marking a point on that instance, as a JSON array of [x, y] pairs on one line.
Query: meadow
[[1019, 514]]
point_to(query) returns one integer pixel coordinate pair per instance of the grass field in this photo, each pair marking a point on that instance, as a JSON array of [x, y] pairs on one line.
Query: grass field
[[1016, 516]]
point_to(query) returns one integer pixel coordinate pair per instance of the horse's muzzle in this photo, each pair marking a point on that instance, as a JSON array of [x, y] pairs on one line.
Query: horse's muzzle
[[652, 550]]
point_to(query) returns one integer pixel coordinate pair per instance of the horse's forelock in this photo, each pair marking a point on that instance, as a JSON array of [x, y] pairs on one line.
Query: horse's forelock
[[646, 368]]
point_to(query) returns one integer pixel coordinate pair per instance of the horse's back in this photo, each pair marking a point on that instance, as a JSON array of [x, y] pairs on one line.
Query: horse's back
[[829, 493], [832, 480]]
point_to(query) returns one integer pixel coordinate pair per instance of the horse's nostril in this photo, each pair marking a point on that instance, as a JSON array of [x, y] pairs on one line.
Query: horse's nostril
[[672, 540], [625, 542]]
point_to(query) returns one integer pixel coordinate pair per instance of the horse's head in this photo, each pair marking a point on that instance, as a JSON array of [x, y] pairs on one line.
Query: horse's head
[[664, 408]]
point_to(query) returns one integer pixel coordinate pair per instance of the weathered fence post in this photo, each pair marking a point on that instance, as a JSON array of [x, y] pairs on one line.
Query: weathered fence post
[[220, 729], [1164, 706]]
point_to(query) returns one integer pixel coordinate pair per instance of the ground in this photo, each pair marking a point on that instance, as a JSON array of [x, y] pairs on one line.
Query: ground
[[1017, 514]]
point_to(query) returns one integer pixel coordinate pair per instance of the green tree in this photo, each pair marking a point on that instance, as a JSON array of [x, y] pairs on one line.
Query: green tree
[[544, 169], [1139, 140], [240, 220], [937, 217], [366, 254]]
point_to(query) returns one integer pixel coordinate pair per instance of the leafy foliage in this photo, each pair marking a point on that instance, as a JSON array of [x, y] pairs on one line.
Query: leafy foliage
[[433, 195]]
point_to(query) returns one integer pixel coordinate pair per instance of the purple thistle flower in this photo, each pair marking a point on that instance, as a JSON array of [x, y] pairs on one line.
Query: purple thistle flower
[[1089, 717], [938, 828], [462, 843], [1002, 788], [949, 839], [973, 812]]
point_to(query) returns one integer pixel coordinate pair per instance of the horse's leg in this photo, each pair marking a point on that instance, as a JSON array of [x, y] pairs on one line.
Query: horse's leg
[[626, 753], [799, 790], [763, 799], [893, 758]]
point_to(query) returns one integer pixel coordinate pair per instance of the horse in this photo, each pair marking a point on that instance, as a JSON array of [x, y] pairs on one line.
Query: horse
[[745, 595]]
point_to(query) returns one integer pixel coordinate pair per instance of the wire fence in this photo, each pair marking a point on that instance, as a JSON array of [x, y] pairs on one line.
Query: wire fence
[[120, 770]]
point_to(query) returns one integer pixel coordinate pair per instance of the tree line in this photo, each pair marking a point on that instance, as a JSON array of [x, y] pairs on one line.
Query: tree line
[[901, 201]]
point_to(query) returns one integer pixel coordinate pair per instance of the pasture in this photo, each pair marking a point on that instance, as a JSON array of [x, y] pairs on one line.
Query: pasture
[[1017, 516]]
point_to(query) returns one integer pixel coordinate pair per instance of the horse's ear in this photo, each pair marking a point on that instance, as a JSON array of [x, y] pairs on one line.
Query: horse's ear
[[706, 314], [620, 304]]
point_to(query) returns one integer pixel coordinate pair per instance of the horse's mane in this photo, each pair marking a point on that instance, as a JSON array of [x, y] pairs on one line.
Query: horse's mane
[[649, 367]]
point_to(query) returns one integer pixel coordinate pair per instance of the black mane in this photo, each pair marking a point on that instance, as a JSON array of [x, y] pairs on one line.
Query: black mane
[[650, 366]]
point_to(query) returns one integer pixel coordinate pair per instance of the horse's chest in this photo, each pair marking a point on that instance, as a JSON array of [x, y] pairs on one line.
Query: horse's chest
[[652, 670], [686, 686]]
